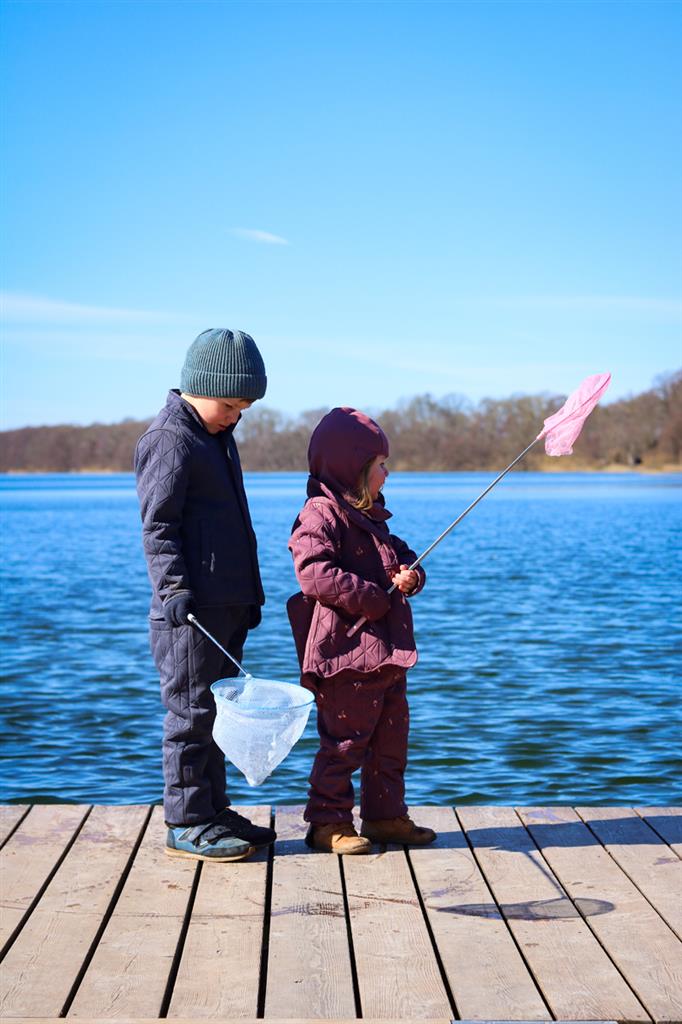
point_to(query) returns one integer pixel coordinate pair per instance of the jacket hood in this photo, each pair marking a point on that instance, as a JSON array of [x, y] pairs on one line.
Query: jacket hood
[[341, 443]]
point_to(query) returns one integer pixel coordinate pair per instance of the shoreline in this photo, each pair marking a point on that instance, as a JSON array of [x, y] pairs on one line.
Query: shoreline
[[614, 469]]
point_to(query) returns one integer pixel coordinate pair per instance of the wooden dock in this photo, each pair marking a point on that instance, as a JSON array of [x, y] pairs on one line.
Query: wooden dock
[[526, 914]]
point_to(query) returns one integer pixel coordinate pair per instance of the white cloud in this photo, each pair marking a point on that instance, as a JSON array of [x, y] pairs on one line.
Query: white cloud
[[19, 308], [265, 237]]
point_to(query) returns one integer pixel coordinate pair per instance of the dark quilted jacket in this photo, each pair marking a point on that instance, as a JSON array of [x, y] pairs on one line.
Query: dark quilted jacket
[[197, 531], [345, 561]]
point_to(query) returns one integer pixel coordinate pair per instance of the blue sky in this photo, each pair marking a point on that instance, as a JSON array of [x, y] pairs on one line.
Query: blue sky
[[392, 198]]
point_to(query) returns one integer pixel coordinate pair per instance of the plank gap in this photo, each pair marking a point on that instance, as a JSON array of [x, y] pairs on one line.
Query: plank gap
[[265, 942], [503, 916], [645, 819], [17, 823], [351, 947], [179, 949], [584, 917], [39, 894], [432, 938], [623, 871], [107, 915]]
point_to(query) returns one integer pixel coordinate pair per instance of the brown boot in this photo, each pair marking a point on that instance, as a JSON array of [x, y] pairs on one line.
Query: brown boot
[[339, 837], [397, 830]]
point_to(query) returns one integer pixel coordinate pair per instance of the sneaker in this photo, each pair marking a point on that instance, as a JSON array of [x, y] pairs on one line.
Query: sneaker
[[339, 837], [397, 830], [256, 835], [209, 841]]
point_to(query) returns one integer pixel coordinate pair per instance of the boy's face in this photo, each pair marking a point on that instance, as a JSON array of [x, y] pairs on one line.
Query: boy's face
[[376, 477], [218, 413]]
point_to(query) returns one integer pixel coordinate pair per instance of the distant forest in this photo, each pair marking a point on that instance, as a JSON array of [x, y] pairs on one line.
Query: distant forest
[[426, 433]]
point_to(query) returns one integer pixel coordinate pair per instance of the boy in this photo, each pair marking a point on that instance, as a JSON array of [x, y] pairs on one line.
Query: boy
[[201, 557]]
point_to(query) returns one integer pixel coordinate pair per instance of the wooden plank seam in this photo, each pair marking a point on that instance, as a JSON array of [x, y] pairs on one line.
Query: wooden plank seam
[[646, 819], [625, 872], [107, 915], [351, 947], [179, 949], [569, 985], [11, 939], [503, 916], [432, 938], [267, 907], [584, 917], [16, 824]]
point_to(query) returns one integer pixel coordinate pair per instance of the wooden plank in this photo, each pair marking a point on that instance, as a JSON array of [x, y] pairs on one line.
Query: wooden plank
[[129, 971], [10, 816], [485, 971], [615, 909], [44, 961], [301, 1020], [667, 821], [575, 976], [29, 856], [397, 970], [643, 856], [309, 970], [283, 1020], [220, 967]]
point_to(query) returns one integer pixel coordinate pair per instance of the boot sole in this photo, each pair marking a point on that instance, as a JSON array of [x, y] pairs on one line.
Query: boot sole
[[199, 856], [401, 842], [342, 853]]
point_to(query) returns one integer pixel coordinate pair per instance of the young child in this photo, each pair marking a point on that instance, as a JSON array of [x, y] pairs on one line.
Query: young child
[[201, 556], [346, 559]]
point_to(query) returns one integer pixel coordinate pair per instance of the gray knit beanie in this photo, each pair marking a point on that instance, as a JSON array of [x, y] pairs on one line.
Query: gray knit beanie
[[224, 364]]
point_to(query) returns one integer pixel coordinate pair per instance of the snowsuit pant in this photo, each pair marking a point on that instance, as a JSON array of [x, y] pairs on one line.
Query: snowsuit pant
[[193, 765], [363, 722]]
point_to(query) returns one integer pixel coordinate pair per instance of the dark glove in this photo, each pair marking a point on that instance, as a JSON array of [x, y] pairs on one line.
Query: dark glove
[[176, 609]]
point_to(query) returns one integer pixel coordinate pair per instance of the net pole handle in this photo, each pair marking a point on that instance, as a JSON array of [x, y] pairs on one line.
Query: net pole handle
[[193, 620], [360, 622]]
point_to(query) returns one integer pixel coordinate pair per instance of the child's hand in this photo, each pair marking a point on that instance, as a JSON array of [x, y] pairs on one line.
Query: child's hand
[[405, 580]]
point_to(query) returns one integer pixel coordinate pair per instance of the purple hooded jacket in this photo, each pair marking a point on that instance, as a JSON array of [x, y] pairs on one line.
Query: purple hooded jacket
[[345, 559]]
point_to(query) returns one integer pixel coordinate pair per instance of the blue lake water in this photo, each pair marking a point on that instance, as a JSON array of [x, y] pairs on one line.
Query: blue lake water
[[549, 639]]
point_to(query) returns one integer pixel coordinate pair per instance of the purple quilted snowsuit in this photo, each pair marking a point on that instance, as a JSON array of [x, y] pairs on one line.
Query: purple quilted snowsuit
[[344, 561]]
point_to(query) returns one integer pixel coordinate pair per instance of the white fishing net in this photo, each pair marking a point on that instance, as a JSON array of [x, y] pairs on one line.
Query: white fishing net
[[258, 721]]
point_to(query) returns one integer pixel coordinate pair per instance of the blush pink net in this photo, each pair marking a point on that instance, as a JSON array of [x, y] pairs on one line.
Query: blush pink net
[[561, 429]]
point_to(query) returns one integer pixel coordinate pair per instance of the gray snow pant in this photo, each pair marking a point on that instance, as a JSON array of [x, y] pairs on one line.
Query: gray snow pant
[[193, 766]]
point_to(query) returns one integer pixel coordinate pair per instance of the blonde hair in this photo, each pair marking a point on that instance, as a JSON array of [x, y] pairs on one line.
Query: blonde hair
[[361, 497]]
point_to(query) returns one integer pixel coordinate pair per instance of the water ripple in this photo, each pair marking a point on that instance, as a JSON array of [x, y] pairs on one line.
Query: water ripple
[[549, 637]]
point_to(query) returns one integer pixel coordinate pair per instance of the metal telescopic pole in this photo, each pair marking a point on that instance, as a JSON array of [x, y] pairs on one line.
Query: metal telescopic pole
[[193, 620], [360, 622]]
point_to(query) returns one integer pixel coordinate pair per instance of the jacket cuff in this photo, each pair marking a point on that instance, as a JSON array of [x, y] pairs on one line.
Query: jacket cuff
[[376, 603]]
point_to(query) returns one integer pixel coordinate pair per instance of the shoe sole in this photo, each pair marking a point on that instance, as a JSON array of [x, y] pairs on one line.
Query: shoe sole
[[199, 856], [402, 842], [342, 853]]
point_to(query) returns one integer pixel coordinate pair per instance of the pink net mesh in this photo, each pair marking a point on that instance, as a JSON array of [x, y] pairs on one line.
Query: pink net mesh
[[561, 429]]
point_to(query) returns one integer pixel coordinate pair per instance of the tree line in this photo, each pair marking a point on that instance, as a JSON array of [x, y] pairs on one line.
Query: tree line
[[426, 433]]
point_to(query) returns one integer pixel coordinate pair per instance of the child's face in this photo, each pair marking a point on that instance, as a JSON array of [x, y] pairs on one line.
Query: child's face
[[218, 413], [376, 477]]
